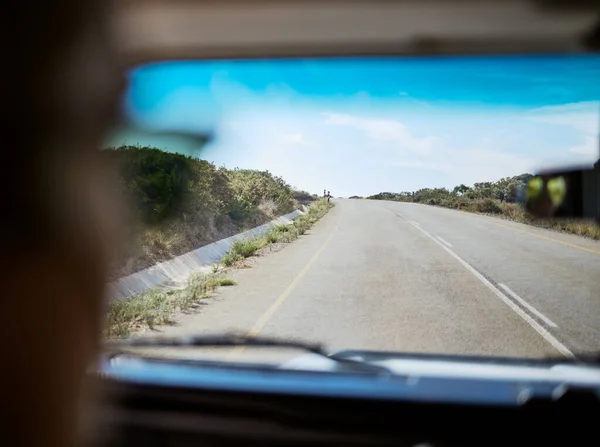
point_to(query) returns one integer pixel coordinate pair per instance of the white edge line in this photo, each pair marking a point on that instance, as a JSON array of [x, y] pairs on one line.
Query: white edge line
[[532, 309], [442, 240], [534, 324]]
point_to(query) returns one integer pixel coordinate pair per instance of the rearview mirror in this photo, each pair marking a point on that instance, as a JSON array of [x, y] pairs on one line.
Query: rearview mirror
[[573, 193]]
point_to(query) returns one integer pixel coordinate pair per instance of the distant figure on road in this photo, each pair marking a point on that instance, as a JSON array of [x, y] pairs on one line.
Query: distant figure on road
[[328, 196]]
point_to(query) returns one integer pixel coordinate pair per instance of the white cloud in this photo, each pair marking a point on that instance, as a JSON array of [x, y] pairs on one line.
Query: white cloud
[[476, 165], [428, 165], [588, 147], [384, 130], [447, 162], [388, 153], [296, 139], [582, 116], [469, 165]]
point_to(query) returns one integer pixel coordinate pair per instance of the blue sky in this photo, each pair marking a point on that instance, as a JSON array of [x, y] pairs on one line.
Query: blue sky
[[361, 126]]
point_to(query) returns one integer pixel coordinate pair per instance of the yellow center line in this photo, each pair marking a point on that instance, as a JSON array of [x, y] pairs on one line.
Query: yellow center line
[[263, 320], [579, 247]]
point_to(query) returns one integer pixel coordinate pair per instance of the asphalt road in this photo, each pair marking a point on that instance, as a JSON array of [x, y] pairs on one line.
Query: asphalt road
[[408, 277]]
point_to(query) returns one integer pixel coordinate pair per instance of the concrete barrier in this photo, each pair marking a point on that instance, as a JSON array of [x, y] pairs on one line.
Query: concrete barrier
[[174, 272]]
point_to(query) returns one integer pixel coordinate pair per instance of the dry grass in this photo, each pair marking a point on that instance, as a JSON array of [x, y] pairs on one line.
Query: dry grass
[[156, 307], [278, 234], [515, 212]]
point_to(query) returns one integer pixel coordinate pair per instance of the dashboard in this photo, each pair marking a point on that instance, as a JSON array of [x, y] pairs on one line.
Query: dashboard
[[158, 402]]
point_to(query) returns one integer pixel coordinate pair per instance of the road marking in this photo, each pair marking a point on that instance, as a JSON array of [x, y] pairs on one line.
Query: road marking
[[415, 223], [579, 247], [447, 243], [400, 215], [262, 321], [525, 304], [534, 324]]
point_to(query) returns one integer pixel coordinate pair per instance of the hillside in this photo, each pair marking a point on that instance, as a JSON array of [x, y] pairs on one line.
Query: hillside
[[180, 203], [505, 190], [499, 198]]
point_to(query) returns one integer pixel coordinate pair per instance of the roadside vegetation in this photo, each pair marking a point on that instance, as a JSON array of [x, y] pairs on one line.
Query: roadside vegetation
[[284, 233], [499, 198], [179, 203], [157, 307]]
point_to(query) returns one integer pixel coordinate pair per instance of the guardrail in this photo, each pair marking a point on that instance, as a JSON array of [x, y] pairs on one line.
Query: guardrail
[[175, 271]]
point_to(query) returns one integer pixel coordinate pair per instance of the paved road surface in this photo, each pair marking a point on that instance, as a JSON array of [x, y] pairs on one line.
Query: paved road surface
[[409, 277]]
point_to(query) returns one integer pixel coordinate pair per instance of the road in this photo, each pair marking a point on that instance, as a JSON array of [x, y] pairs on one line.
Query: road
[[409, 277]]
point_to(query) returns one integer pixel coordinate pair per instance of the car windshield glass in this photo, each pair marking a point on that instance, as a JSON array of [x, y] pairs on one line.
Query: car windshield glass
[[357, 203]]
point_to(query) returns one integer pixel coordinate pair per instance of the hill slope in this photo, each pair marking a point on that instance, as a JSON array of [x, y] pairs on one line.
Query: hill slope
[[180, 203]]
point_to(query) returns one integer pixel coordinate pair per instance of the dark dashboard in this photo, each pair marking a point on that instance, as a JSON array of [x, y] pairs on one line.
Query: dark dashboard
[[169, 403]]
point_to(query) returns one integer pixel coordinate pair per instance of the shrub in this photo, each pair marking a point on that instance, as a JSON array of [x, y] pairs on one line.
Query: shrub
[[156, 307], [180, 203], [303, 197], [251, 187], [285, 233], [245, 248], [229, 259], [489, 206]]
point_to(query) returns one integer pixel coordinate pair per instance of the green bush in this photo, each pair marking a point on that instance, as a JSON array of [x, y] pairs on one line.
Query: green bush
[[500, 197], [157, 306], [285, 233], [273, 236], [319, 208], [156, 182], [229, 259], [250, 188], [180, 203], [489, 206], [302, 225], [290, 235], [246, 248]]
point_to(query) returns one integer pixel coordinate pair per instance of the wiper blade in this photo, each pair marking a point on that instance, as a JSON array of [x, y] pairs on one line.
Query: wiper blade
[[235, 340], [224, 340]]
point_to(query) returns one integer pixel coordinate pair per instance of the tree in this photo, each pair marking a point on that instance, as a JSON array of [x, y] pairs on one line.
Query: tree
[[460, 189]]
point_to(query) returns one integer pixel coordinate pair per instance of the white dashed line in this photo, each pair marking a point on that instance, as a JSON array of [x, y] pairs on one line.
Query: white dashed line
[[528, 306], [444, 242], [415, 223], [520, 312], [399, 214]]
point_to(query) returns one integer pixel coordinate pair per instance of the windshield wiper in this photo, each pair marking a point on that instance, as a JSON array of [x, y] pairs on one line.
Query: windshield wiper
[[218, 340], [235, 340]]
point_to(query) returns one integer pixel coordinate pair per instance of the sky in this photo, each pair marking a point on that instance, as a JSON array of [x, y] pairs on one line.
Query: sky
[[362, 126]]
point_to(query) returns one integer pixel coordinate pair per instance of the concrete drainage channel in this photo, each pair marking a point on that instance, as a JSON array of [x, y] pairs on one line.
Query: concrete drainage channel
[[176, 271]]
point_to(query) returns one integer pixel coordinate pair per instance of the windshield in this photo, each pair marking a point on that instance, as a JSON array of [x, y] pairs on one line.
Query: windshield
[[360, 203]]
